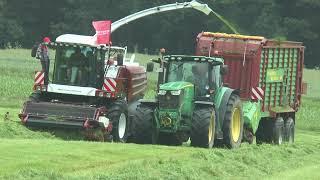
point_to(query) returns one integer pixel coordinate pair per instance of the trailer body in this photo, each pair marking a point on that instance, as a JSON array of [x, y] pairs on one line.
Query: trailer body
[[267, 73]]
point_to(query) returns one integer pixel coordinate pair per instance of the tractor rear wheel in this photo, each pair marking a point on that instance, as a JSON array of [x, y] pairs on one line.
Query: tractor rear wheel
[[118, 115], [233, 123], [289, 130], [203, 127], [278, 131], [142, 125]]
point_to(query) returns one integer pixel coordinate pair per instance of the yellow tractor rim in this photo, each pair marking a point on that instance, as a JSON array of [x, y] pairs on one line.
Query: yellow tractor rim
[[236, 124], [210, 131]]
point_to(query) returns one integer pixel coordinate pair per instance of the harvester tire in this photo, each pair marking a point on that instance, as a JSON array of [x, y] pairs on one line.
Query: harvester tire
[[289, 130], [203, 127], [118, 114], [233, 123], [142, 125], [278, 131]]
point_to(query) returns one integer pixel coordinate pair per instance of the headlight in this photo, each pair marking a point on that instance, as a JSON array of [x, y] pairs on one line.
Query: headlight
[[104, 121], [162, 92], [176, 93]]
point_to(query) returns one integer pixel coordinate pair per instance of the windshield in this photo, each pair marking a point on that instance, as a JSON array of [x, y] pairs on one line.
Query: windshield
[[78, 66], [182, 71]]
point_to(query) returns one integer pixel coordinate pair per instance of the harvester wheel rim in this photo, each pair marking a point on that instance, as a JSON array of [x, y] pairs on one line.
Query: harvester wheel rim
[[122, 125], [236, 124]]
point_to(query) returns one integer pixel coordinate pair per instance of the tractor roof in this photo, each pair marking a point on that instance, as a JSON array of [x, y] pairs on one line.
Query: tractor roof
[[217, 60], [81, 40]]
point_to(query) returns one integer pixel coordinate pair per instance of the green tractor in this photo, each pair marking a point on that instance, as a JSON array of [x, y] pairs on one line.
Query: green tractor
[[191, 102]]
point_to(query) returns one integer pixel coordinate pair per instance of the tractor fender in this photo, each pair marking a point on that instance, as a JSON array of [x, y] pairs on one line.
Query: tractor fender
[[222, 109], [148, 102], [203, 103]]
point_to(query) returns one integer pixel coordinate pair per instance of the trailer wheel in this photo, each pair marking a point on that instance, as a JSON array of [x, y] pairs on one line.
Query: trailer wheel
[[118, 115], [278, 131], [233, 123], [203, 127], [289, 130], [142, 125], [264, 133]]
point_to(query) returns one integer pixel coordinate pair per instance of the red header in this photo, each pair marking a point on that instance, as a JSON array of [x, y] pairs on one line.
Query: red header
[[103, 31]]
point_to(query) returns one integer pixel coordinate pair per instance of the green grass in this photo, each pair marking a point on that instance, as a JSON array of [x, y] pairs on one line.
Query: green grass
[[28, 154]]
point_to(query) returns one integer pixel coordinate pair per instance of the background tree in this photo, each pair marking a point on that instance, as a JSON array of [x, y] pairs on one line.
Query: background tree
[[24, 21]]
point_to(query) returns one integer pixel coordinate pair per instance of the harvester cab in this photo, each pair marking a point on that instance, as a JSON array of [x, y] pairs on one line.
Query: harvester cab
[[90, 88], [191, 102]]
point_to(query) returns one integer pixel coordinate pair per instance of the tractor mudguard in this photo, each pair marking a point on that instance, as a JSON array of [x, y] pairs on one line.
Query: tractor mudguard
[[222, 110], [149, 102], [203, 103]]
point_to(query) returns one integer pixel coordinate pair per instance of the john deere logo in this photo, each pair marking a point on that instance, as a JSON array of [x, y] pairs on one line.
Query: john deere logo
[[166, 121]]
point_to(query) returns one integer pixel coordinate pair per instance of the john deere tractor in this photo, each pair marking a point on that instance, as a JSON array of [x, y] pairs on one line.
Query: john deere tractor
[[191, 102]]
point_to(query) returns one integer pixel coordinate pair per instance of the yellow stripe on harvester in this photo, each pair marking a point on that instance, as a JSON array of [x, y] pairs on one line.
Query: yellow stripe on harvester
[[235, 36]]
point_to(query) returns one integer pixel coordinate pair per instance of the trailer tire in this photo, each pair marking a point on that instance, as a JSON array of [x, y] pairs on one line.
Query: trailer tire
[[233, 123], [142, 125], [289, 128], [118, 116], [278, 131], [203, 127], [264, 132]]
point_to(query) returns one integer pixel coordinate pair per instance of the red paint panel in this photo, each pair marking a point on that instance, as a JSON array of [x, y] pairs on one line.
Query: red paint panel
[[241, 55]]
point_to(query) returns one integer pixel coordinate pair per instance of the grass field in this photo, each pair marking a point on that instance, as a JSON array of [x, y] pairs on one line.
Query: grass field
[[26, 154]]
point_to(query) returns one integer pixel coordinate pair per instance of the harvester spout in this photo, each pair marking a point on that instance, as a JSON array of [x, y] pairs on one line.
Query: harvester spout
[[169, 7]]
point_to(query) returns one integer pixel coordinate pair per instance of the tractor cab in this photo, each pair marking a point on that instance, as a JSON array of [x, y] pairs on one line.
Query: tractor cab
[[203, 74]]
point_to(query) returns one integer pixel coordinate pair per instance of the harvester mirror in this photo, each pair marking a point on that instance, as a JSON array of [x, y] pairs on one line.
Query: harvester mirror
[[34, 50], [120, 59], [224, 70], [150, 67]]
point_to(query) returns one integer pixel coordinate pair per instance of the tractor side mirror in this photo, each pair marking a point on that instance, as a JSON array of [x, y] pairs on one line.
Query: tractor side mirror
[[156, 60], [224, 70], [120, 59], [150, 67]]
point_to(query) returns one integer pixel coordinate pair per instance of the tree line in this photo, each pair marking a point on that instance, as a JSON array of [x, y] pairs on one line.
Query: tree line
[[22, 22]]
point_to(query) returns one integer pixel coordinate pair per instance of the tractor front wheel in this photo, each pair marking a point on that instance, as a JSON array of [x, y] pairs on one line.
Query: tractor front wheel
[[203, 127], [233, 122], [142, 125], [118, 115]]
